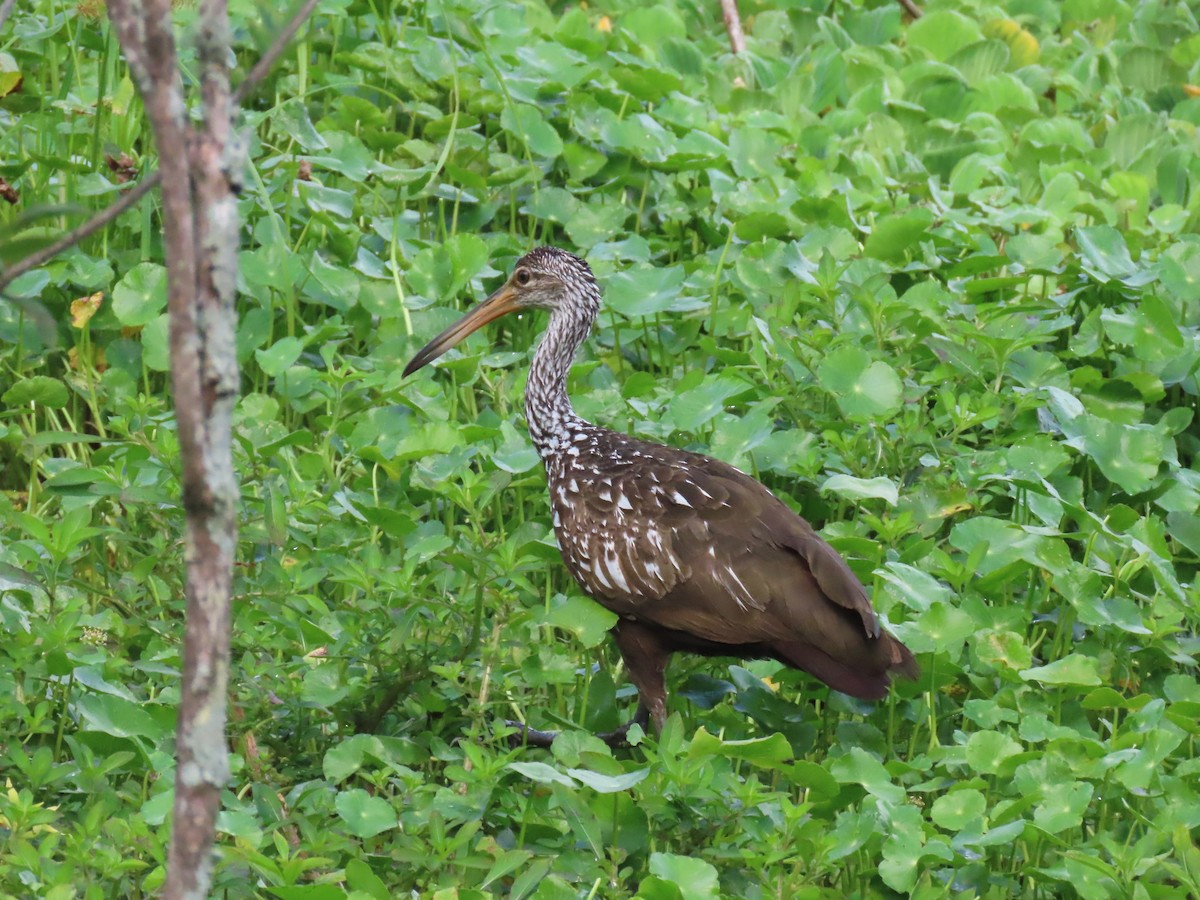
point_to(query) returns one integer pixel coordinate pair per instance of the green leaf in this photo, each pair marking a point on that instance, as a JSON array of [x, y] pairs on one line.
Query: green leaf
[[853, 488], [118, 717], [542, 773], [943, 33], [1074, 669], [940, 629], [695, 878], [654, 888], [362, 880], [768, 752], [441, 272], [1063, 805], [507, 862], [324, 686], [644, 290], [1003, 649], [697, 406], [916, 589], [359, 750], [1002, 544], [860, 767], [92, 677], [980, 61], [320, 199], [957, 809], [311, 892], [280, 356], [987, 750], [905, 847], [333, 285], [156, 353], [585, 618], [863, 389], [291, 117], [608, 784], [344, 759], [141, 295], [517, 454], [39, 390], [815, 779], [365, 816], [893, 235], [10, 75], [1105, 256], [529, 125]]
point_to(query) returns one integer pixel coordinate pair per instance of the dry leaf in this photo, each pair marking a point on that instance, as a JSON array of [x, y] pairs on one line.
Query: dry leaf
[[84, 308], [122, 166], [98, 361]]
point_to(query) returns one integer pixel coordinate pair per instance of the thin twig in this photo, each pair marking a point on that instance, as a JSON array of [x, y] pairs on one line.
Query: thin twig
[[6, 9], [256, 74], [68, 240], [911, 8], [733, 24], [265, 62]]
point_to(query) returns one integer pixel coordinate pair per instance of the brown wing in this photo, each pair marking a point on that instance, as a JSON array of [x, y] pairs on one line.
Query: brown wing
[[612, 529], [693, 545]]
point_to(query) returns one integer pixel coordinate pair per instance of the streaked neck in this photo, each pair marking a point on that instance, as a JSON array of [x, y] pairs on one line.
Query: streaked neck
[[552, 421]]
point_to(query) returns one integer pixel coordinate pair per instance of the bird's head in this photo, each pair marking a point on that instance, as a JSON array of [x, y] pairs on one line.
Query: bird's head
[[545, 278]]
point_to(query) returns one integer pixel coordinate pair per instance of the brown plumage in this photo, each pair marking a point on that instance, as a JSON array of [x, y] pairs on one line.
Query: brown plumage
[[691, 553]]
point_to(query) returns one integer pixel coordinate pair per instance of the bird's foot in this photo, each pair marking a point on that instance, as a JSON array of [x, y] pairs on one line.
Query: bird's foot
[[618, 737], [524, 736]]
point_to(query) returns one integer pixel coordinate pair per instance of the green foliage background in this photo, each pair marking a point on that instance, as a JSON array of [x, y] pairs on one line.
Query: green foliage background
[[935, 282]]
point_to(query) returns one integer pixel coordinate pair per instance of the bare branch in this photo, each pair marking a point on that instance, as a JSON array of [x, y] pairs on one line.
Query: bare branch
[[733, 25], [201, 239], [129, 199], [911, 8], [271, 56], [257, 73]]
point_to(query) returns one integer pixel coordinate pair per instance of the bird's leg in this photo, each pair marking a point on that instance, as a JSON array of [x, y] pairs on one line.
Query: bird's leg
[[646, 655]]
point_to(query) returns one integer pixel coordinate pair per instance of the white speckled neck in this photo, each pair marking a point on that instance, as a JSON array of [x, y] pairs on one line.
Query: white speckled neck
[[552, 421]]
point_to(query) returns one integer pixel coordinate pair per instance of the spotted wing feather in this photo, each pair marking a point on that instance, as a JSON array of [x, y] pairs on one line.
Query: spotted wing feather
[[671, 538], [610, 520]]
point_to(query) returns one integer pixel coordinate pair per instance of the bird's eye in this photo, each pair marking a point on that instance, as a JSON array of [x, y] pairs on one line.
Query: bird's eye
[[523, 277]]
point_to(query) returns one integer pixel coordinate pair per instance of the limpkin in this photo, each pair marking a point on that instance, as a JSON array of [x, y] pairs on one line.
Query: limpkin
[[691, 553]]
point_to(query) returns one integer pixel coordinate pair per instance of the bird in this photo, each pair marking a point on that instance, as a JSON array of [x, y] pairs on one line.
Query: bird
[[691, 554]]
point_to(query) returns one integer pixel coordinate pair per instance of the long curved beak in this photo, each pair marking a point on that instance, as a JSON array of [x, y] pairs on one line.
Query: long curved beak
[[500, 303]]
